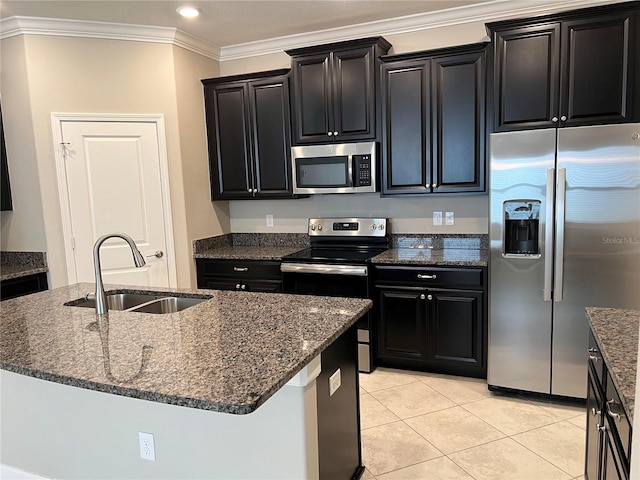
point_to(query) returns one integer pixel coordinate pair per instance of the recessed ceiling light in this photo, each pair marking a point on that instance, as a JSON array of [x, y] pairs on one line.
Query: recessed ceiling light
[[189, 12]]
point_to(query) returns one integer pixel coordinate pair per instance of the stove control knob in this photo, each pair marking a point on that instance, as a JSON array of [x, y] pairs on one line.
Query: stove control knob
[[313, 227], [320, 227], [373, 226]]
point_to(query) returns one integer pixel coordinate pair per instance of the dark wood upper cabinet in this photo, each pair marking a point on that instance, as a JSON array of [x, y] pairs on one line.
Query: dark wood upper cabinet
[[334, 91], [248, 131], [570, 69], [5, 186], [434, 126]]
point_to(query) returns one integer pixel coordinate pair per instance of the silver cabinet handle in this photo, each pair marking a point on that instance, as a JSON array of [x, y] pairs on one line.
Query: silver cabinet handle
[[595, 412], [429, 297], [610, 413], [594, 358], [422, 296], [563, 118], [237, 286], [601, 428], [157, 254], [335, 134], [426, 277], [434, 185], [330, 134], [240, 269], [243, 286], [554, 119]]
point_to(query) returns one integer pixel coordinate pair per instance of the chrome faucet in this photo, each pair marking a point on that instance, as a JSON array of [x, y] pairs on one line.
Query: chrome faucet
[[101, 298]]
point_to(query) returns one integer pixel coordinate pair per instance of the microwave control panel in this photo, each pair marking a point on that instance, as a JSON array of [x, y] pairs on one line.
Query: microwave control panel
[[362, 165]]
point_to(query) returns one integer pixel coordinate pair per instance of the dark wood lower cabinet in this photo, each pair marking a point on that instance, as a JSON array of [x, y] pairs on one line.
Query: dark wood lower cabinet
[[17, 287], [242, 275], [431, 328], [608, 437]]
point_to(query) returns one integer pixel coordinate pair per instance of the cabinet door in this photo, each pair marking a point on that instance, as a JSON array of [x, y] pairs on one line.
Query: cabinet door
[[456, 332], [611, 463], [597, 69], [402, 325], [526, 71], [271, 137], [458, 86], [228, 133], [406, 139], [311, 99], [354, 94], [594, 436]]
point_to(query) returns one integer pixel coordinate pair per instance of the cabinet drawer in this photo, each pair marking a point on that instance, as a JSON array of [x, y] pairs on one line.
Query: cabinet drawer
[[617, 418], [239, 268], [432, 276]]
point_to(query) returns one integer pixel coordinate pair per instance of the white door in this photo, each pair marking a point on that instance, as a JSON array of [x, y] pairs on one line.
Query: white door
[[113, 180]]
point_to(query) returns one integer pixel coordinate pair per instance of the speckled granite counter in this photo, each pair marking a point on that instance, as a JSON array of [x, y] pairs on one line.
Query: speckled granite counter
[[232, 252], [21, 264], [434, 257], [616, 332], [227, 354]]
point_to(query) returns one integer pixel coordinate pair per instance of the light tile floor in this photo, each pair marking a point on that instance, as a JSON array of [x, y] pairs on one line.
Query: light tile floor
[[427, 426]]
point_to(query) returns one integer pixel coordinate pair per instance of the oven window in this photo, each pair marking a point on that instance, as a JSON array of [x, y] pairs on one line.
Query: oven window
[[322, 172]]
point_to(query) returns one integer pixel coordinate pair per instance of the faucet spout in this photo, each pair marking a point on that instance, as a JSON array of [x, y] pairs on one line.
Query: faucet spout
[[101, 298]]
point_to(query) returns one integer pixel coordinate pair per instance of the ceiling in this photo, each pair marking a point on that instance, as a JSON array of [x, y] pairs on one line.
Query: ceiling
[[231, 22]]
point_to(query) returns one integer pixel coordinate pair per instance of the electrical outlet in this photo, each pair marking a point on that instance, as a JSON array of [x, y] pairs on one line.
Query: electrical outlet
[[335, 381], [269, 219], [147, 446], [437, 218], [449, 218]]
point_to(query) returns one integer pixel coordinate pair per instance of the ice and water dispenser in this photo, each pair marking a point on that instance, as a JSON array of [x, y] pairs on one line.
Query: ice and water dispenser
[[521, 221]]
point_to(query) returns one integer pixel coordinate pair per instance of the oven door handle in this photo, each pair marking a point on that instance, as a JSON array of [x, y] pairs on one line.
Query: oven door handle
[[353, 270]]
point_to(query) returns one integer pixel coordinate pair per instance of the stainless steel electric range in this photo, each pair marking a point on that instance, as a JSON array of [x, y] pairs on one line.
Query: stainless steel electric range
[[336, 264]]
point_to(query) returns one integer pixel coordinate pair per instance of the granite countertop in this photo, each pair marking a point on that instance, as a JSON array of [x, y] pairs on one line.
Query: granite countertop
[[616, 332], [433, 256], [227, 354], [248, 252], [21, 264]]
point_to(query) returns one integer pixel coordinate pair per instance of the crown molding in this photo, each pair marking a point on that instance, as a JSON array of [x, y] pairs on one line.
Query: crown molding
[[485, 12], [18, 25]]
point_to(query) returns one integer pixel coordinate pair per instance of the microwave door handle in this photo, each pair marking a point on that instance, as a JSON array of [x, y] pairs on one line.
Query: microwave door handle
[[350, 170]]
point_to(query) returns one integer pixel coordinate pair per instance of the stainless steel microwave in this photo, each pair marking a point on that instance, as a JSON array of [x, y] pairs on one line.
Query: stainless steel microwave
[[335, 168]]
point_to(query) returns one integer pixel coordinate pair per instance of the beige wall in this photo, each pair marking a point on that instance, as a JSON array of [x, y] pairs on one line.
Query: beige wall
[[84, 75], [408, 215]]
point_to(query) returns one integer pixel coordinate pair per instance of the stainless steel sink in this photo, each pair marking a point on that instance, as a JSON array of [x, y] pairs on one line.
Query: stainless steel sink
[[168, 305], [117, 301], [156, 302]]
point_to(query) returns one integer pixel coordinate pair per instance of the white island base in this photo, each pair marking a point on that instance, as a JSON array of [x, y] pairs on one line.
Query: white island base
[[59, 431]]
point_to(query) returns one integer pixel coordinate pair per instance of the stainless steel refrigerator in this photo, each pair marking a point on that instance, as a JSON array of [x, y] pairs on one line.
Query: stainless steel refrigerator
[[565, 234]]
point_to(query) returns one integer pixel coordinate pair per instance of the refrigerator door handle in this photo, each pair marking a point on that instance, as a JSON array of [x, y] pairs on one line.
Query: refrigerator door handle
[[548, 235], [559, 247]]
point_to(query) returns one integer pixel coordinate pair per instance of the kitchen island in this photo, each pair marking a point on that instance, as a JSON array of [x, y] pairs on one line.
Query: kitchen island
[[76, 392]]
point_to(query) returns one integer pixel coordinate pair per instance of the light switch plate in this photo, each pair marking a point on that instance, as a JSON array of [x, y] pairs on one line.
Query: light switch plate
[[269, 219], [437, 218], [335, 381]]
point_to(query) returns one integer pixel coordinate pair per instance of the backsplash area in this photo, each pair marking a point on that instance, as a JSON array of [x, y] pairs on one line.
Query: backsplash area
[[406, 215]]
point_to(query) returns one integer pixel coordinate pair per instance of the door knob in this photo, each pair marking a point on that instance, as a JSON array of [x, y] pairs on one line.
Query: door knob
[[158, 254]]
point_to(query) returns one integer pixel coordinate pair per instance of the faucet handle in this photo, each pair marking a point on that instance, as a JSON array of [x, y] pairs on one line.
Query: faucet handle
[[158, 254]]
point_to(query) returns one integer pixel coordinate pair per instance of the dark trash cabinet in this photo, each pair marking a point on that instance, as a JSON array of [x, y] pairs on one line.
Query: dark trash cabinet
[[335, 90], [571, 69], [248, 133]]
